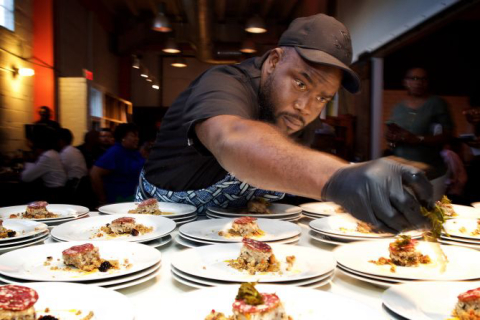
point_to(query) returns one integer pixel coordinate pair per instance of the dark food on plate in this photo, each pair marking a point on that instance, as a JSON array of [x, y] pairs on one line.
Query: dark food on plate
[[259, 205], [255, 256], [16, 303], [468, 305], [243, 227], [6, 233], [122, 226], [87, 258], [251, 305], [149, 206], [35, 210], [403, 253]]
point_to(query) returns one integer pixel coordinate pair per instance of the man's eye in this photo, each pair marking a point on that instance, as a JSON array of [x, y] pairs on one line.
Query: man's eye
[[322, 99], [300, 84]]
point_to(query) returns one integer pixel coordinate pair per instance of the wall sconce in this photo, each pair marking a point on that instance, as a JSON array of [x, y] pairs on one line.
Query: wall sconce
[[155, 85], [179, 62], [255, 25], [24, 72], [136, 62], [143, 72]]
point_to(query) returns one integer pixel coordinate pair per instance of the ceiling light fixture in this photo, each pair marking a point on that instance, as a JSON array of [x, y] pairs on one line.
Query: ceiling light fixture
[[149, 79], [161, 23], [248, 46], [255, 25], [171, 46], [179, 62], [136, 62], [155, 85]]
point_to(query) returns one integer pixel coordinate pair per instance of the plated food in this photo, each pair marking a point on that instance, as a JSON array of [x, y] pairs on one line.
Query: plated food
[[149, 206], [251, 304], [123, 226], [35, 210], [275, 211], [243, 227], [6, 233], [403, 252], [255, 256], [86, 257], [467, 307], [16, 303]]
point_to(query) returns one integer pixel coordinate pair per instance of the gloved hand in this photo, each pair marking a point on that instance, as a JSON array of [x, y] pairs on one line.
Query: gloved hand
[[376, 192]]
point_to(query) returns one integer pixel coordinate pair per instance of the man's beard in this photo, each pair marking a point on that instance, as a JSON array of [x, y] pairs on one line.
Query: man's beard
[[265, 99]]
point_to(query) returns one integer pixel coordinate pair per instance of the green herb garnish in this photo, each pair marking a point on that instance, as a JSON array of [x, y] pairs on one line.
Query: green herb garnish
[[437, 218], [249, 294]]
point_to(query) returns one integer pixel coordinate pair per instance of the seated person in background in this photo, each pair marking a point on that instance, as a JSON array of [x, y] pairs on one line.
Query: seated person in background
[[72, 159], [115, 175], [457, 175], [45, 115], [420, 125], [106, 139], [90, 148], [48, 168]]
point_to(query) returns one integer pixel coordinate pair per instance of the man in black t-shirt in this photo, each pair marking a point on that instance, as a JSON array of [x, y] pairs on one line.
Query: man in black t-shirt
[[236, 133]]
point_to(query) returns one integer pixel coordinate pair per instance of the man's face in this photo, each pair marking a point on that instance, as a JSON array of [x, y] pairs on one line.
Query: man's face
[[416, 82], [106, 138], [294, 92], [44, 114]]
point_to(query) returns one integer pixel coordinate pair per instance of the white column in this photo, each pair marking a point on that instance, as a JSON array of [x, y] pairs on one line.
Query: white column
[[377, 108]]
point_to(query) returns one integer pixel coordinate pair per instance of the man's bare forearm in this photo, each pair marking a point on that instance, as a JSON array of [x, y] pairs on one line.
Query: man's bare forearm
[[259, 154]]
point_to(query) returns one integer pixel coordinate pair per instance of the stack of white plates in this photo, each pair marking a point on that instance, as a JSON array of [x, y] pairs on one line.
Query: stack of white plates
[[200, 233], [299, 303], [138, 263], [178, 212], [87, 229], [279, 211], [27, 233], [466, 211], [76, 301], [316, 210], [353, 259], [65, 212], [425, 300], [341, 229], [462, 232], [208, 266]]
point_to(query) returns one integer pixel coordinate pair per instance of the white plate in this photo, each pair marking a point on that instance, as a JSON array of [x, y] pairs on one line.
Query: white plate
[[23, 240], [181, 222], [322, 208], [28, 263], [135, 282], [343, 225], [292, 217], [210, 262], [177, 209], [25, 244], [63, 210], [452, 226], [325, 239], [461, 244], [466, 211], [285, 241], [24, 229], [86, 229], [208, 230], [313, 304], [187, 243], [356, 255], [153, 243], [425, 300], [105, 304], [277, 209], [476, 205], [218, 283], [376, 282], [186, 217]]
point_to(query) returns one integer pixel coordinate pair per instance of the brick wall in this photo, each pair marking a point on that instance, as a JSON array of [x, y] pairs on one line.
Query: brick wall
[[16, 93]]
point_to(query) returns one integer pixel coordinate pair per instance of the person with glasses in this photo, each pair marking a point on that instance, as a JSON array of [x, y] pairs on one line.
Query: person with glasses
[[420, 125]]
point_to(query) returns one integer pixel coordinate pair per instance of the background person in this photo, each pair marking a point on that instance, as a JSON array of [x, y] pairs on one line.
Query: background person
[[45, 115]]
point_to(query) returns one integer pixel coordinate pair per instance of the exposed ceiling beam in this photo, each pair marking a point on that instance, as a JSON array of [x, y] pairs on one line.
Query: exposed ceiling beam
[[267, 6], [132, 7], [220, 8], [287, 9]]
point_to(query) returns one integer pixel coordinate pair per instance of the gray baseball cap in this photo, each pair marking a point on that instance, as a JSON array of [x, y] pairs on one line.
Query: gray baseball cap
[[323, 39]]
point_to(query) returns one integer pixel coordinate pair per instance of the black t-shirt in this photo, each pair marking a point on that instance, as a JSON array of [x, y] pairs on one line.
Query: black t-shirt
[[178, 161]]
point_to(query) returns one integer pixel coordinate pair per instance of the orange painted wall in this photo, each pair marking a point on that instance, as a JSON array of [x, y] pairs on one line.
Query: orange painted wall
[[43, 49]]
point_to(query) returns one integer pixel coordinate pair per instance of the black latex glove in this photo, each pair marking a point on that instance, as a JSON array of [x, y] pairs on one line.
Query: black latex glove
[[375, 192]]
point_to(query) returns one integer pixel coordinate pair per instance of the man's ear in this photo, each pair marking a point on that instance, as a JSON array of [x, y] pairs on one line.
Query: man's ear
[[273, 59]]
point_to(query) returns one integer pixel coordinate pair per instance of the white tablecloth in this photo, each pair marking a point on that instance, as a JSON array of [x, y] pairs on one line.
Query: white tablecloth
[[150, 297]]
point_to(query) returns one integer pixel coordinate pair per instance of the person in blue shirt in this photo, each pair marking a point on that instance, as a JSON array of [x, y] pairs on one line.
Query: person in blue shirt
[[115, 175]]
